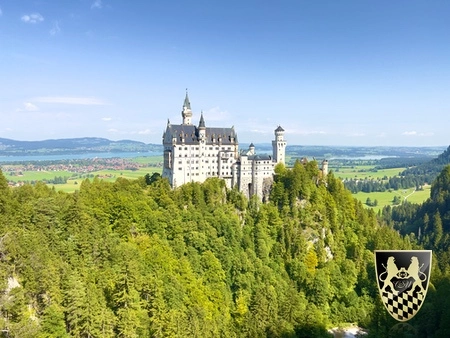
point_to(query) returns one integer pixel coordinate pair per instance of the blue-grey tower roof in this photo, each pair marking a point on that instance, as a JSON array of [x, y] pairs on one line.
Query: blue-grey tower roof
[[187, 104], [202, 122]]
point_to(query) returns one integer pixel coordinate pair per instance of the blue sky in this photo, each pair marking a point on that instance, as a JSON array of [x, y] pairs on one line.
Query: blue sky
[[329, 72]]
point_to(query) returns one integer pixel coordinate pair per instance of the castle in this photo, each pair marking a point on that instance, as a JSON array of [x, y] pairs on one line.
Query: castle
[[194, 153]]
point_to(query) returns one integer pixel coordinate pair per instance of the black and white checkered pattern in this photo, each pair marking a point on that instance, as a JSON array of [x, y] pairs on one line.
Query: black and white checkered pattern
[[403, 306]]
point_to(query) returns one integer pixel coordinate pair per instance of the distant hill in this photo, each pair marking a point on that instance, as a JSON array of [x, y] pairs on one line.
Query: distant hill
[[427, 172], [10, 147]]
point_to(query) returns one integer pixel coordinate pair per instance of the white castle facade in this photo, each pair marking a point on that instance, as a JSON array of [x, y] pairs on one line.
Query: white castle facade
[[194, 153]]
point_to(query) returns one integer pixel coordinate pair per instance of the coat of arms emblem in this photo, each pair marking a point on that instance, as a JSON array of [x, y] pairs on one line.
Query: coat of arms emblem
[[403, 277]]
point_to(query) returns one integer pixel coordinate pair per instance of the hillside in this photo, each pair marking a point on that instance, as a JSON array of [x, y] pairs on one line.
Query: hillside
[[109, 261], [427, 172]]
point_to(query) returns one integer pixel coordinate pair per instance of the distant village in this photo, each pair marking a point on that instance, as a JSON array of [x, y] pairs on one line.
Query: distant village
[[81, 168]]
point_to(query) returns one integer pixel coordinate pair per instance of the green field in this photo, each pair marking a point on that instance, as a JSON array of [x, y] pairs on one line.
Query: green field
[[385, 198], [28, 176], [148, 160], [364, 171], [108, 176]]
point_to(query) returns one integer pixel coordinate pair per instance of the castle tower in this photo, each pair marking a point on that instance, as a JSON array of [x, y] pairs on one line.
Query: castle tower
[[251, 149], [187, 112], [202, 129], [324, 168], [279, 146]]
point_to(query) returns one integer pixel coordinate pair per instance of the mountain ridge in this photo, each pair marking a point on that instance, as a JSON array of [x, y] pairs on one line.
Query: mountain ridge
[[80, 145], [75, 145]]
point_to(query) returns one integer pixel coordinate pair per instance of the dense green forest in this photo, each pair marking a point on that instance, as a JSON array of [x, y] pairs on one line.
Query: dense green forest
[[135, 258]]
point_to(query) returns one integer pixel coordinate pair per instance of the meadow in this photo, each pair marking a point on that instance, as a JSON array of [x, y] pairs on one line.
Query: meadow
[[107, 176], [364, 172], [37, 175], [386, 198], [383, 198]]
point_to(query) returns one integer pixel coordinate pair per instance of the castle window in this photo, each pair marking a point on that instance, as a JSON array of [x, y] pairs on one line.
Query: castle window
[[185, 148], [180, 168]]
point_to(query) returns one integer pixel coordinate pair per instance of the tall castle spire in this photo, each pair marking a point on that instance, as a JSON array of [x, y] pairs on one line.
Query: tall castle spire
[[202, 122], [187, 112], [202, 129], [187, 104]]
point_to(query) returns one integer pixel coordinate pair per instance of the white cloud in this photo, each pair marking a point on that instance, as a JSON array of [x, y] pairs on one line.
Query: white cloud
[[306, 132], [55, 29], [144, 132], [215, 114], [106, 119], [315, 132], [87, 101], [415, 133], [97, 4], [112, 130], [32, 18], [260, 131], [28, 106]]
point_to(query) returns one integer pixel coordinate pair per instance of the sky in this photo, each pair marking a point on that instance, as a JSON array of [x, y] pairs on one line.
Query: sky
[[354, 73]]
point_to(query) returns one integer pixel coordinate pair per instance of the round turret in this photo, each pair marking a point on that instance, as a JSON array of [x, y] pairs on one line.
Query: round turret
[[279, 146]]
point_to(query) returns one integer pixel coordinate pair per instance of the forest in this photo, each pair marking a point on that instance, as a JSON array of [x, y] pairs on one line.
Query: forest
[[134, 258]]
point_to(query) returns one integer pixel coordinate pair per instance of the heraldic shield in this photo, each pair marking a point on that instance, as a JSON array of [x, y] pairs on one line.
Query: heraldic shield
[[403, 277]]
